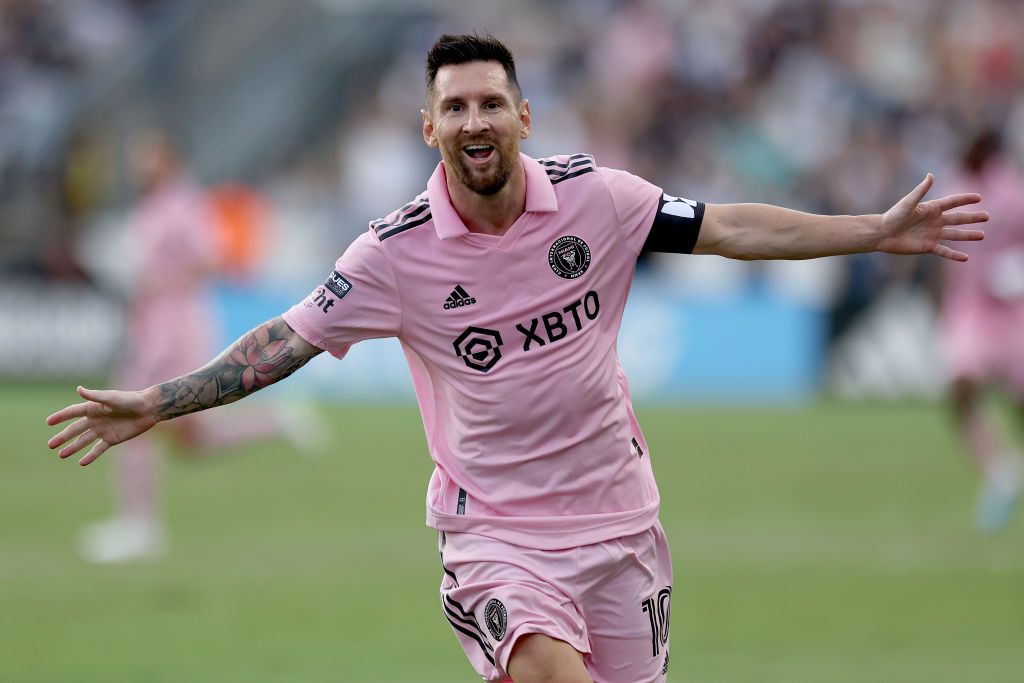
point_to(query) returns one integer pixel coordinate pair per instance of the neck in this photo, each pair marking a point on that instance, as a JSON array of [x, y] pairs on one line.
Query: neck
[[490, 214]]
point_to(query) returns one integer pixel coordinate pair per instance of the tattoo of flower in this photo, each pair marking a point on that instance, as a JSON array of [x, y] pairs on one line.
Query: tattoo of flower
[[259, 358]]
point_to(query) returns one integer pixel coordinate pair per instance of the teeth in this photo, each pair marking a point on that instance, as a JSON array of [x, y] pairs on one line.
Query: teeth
[[475, 148]]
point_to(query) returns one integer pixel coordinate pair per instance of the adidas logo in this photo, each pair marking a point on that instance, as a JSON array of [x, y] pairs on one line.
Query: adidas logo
[[458, 298]]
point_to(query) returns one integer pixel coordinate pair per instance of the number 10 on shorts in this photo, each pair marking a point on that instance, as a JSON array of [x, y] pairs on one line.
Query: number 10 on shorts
[[658, 609]]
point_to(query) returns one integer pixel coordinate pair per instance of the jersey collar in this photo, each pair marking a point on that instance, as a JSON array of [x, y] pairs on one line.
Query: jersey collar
[[540, 197]]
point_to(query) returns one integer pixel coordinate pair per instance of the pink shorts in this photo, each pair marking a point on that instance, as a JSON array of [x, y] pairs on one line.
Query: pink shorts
[[982, 341], [611, 601]]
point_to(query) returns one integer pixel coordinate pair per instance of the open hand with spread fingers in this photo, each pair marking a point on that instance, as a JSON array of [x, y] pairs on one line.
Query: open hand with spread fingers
[[106, 418], [914, 226]]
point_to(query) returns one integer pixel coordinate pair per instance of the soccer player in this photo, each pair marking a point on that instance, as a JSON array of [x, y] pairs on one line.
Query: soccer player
[[505, 282], [171, 330], [982, 322]]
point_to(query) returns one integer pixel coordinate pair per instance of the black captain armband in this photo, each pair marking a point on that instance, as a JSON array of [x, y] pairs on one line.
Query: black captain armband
[[676, 225]]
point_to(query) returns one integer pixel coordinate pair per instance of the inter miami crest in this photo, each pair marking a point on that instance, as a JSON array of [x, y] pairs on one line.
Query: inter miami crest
[[496, 618], [569, 257]]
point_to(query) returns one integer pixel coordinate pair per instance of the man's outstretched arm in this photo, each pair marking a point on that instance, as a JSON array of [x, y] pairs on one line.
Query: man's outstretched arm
[[912, 226], [264, 355]]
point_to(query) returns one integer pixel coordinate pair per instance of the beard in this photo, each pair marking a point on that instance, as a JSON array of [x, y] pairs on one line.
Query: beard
[[485, 182]]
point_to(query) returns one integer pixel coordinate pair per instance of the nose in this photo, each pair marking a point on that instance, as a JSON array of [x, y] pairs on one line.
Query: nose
[[475, 122]]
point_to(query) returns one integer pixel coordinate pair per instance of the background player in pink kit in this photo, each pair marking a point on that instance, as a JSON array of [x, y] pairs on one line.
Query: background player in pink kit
[[555, 567], [172, 328], [983, 326]]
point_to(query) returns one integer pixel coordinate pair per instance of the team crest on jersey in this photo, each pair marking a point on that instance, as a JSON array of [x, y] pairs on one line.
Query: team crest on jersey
[[496, 618], [569, 257]]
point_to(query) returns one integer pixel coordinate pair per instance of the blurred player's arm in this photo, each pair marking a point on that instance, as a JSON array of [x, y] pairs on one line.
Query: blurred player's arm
[[264, 355], [911, 226]]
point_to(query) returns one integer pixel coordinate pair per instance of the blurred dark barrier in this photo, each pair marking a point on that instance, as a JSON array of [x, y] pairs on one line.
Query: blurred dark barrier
[[53, 330]]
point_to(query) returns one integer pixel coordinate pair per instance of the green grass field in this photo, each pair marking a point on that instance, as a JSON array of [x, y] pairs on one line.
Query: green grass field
[[832, 544]]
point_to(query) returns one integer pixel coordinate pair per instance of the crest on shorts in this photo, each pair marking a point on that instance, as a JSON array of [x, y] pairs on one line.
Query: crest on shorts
[[496, 618], [569, 257]]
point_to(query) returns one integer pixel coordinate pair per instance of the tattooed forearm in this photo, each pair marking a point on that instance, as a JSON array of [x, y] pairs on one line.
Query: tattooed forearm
[[264, 355]]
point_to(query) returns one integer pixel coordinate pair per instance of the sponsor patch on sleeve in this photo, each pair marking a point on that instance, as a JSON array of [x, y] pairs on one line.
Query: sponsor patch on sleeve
[[337, 283]]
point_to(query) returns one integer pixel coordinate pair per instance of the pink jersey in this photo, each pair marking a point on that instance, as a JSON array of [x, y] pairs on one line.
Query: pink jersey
[[511, 342], [979, 278], [982, 318], [173, 230]]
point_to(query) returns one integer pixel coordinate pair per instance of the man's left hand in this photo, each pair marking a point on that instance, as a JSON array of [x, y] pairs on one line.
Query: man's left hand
[[913, 226]]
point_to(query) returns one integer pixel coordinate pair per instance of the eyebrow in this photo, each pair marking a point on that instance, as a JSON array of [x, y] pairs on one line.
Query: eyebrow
[[492, 95]]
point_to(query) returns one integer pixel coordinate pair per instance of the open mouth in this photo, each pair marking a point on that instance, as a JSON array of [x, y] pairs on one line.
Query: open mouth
[[479, 154]]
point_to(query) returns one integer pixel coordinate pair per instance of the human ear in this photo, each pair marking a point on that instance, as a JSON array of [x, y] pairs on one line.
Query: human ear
[[525, 119], [428, 129]]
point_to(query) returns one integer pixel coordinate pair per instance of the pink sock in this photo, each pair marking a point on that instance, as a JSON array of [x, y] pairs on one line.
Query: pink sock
[[137, 480]]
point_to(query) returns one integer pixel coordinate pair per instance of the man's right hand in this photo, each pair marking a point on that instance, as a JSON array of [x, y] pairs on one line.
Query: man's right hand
[[109, 416], [265, 354]]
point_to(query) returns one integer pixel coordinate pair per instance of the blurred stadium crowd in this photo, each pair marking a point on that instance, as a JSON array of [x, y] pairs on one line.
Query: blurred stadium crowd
[[836, 107]]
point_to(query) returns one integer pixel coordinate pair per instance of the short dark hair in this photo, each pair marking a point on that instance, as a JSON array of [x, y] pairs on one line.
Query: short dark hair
[[461, 49], [981, 146]]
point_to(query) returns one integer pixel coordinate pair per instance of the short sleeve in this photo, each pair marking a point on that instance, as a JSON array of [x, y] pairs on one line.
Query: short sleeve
[[358, 300], [651, 219]]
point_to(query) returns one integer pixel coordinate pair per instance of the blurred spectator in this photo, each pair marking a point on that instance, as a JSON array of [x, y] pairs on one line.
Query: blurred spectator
[[242, 223]]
